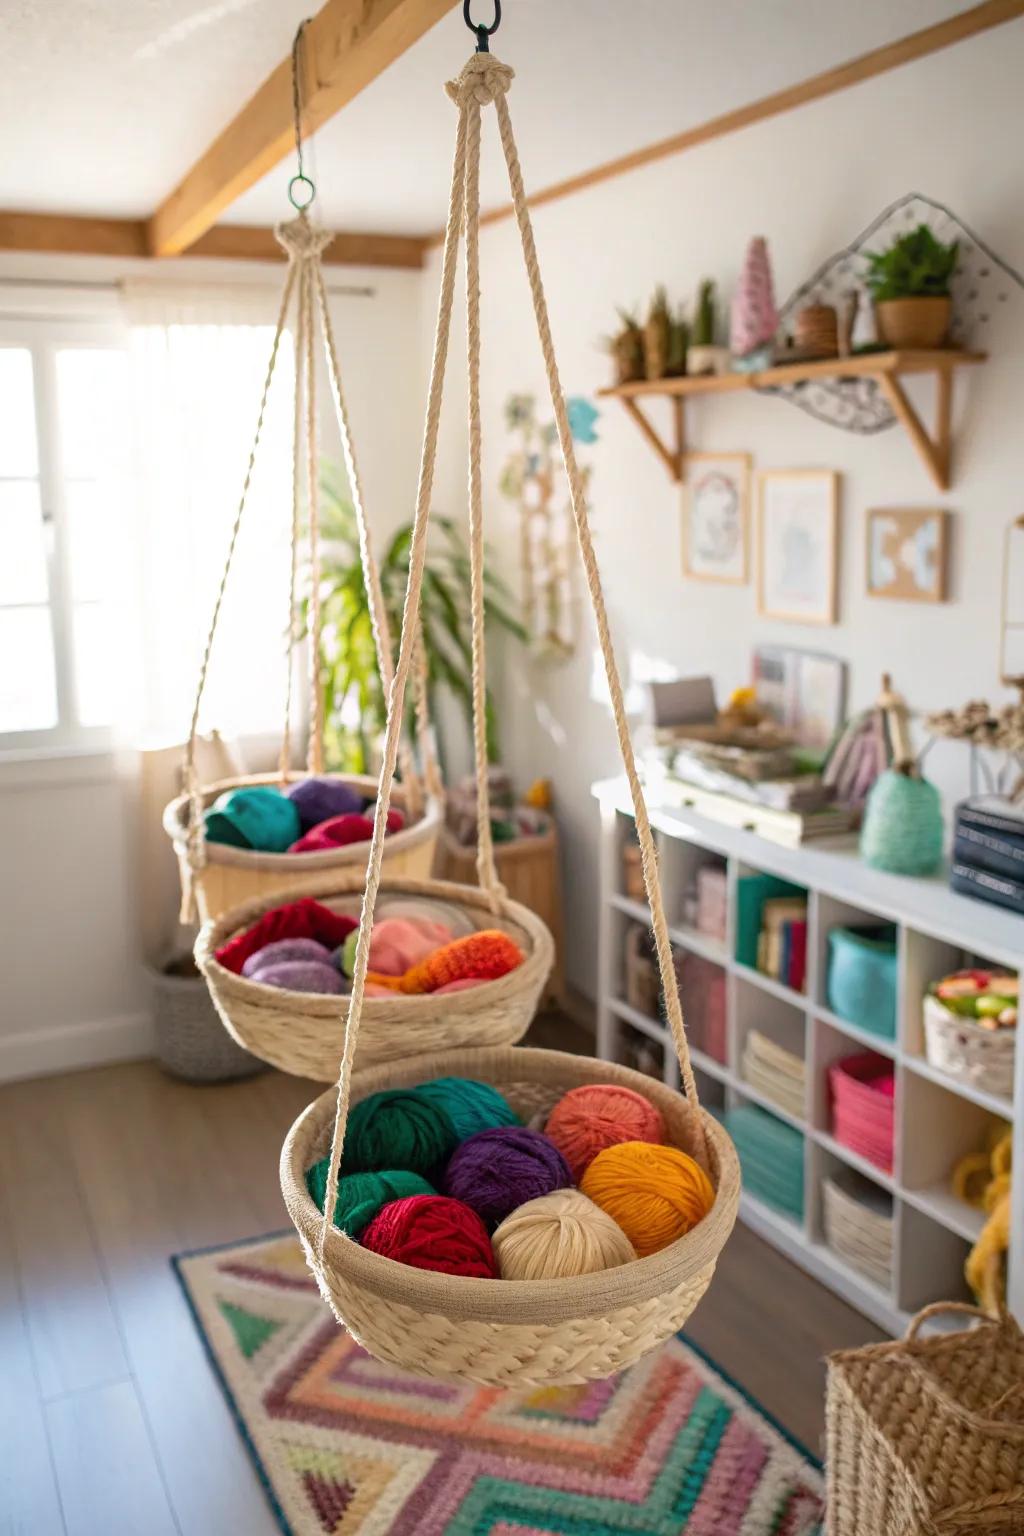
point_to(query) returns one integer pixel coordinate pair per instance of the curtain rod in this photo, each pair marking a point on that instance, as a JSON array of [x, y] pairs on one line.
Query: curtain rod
[[340, 290]]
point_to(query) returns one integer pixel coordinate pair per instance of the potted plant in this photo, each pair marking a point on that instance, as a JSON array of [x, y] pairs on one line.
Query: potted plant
[[627, 349], [910, 286], [657, 336], [355, 709], [704, 356]]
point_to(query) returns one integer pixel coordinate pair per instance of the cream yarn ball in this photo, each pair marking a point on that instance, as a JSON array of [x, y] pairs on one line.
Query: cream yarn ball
[[557, 1236]]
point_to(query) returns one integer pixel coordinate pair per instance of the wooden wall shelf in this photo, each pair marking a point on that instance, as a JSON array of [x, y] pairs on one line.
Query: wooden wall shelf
[[886, 368]]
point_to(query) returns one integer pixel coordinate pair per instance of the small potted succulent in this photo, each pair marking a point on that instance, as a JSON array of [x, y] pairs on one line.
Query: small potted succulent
[[910, 285], [703, 356], [627, 349]]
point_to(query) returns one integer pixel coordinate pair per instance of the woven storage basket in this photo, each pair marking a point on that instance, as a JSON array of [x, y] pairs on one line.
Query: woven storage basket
[[231, 876], [190, 1043], [303, 1032], [926, 1436], [863, 1113], [508, 1333], [964, 1050]]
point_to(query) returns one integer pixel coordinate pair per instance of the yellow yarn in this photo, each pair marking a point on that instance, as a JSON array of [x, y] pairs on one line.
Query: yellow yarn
[[654, 1193], [557, 1236]]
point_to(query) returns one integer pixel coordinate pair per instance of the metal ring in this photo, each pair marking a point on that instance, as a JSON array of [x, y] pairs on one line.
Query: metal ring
[[482, 32], [304, 201]]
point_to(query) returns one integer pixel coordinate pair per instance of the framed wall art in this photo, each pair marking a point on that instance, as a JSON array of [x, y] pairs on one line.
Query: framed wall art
[[906, 554], [798, 545], [716, 494]]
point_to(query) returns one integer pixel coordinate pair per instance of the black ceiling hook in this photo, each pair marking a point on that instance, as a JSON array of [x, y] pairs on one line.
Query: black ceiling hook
[[482, 33]]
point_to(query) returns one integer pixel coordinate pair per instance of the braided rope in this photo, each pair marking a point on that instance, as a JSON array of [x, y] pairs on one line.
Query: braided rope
[[406, 649], [315, 747], [486, 871], [196, 849], [285, 760]]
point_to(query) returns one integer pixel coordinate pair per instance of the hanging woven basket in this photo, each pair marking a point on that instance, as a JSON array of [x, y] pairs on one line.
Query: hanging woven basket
[[231, 877], [502, 1332], [512, 1333], [303, 1032]]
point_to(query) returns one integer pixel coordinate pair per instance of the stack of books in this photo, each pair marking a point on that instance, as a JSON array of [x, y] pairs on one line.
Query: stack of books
[[776, 1073], [782, 941], [988, 851], [771, 1157], [858, 1224]]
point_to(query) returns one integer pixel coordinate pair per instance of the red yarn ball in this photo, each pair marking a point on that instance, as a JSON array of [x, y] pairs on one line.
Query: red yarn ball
[[598, 1115], [432, 1232]]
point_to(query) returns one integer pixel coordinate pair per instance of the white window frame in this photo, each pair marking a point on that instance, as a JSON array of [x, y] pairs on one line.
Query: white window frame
[[43, 336]]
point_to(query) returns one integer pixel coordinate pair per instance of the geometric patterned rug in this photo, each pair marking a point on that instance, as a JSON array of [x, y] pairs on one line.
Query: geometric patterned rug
[[346, 1446]]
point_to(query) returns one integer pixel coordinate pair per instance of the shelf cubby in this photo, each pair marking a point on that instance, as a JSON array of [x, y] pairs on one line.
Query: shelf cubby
[[936, 1118]]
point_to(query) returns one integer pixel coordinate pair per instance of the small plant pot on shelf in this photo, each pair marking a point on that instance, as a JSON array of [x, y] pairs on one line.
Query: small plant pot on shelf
[[967, 1051], [702, 361], [191, 1041], [913, 324]]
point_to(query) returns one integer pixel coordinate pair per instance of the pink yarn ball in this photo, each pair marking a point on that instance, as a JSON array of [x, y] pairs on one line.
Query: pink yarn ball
[[598, 1115]]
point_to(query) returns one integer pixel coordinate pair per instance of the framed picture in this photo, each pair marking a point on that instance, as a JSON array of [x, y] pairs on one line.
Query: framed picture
[[716, 492], [798, 545], [906, 554], [803, 691]]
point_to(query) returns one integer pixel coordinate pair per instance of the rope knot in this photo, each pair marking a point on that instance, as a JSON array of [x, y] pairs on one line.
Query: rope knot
[[301, 239], [482, 79]]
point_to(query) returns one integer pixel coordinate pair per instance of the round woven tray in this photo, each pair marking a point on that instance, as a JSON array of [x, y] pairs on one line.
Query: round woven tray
[[303, 1032], [508, 1333], [234, 875]]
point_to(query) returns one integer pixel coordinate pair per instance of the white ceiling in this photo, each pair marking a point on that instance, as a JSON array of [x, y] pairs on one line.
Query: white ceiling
[[105, 103]]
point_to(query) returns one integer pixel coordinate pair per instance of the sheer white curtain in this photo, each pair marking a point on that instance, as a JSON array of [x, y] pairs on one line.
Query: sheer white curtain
[[198, 359]]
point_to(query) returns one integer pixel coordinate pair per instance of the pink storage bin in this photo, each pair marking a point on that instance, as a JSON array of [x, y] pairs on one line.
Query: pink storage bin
[[863, 1090]]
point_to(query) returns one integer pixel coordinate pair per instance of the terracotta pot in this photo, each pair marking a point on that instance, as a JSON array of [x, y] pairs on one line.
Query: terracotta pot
[[910, 324]]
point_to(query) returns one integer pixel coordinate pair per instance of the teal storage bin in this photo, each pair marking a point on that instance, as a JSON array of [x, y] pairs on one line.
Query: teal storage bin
[[861, 985]]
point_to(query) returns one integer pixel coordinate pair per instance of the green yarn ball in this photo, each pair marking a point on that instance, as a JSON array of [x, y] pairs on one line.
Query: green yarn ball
[[361, 1195], [397, 1128], [470, 1106], [902, 830]]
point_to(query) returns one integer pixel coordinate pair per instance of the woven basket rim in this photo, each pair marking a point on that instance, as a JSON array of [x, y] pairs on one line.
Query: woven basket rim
[[512, 1301], [538, 959], [175, 822]]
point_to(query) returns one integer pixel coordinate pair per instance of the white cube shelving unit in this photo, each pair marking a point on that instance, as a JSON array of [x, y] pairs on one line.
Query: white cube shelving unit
[[937, 1118]]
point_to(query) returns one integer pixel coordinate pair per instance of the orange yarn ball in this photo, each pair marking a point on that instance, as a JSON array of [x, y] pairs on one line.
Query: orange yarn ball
[[586, 1120], [656, 1194]]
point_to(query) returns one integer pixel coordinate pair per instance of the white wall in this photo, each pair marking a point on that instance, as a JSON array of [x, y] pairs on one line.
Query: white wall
[[72, 982], [948, 126]]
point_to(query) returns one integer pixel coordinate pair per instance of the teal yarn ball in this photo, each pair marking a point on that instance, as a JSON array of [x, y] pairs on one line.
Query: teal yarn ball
[[361, 1195], [902, 830], [471, 1106], [397, 1129]]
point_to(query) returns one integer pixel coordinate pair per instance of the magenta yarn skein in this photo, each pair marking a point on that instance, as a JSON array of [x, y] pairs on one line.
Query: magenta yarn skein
[[495, 1171]]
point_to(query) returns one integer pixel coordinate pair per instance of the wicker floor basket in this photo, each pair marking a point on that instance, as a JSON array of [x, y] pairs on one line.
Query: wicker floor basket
[[190, 1042], [926, 1435], [303, 1032], [231, 876], [509, 1333]]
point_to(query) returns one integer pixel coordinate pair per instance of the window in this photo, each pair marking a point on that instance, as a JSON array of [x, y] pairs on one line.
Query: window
[[63, 476]]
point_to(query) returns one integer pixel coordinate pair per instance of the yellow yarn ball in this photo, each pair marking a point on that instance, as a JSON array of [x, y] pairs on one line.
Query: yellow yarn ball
[[655, 1194], [557, 1236]]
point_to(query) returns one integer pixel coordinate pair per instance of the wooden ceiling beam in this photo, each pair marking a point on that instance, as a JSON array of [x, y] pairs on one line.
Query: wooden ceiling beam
[[346, 46], [79, 236]]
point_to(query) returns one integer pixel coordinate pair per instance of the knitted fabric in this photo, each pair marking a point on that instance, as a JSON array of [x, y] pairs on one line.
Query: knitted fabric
[[318, 799], [286, 949]]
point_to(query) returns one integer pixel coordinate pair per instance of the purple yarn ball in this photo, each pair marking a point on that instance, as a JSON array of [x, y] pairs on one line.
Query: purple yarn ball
[[317, 800], [300, 976], [287, 949], [495, 1171]]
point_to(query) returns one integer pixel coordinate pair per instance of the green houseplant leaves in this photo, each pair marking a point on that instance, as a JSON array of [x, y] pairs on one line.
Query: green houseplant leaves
[[916, 266]]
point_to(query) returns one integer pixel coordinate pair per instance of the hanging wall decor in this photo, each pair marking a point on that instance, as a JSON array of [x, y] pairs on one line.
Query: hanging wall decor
[[715, 516], [906, 554], [797, 545], [533, 476]]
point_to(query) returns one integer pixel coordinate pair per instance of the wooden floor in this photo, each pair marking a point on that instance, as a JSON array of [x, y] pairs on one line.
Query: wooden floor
[[111, 1423]]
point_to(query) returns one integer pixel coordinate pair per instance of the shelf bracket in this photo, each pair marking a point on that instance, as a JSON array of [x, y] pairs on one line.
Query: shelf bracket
[[671, 458], [934, 452]]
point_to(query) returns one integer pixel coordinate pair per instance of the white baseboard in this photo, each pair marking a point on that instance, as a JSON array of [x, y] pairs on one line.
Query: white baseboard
[[73, 1047]]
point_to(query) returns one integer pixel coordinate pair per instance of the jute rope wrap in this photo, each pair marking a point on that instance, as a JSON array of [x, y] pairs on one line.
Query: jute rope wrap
[[304, 245], [484, 80]]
